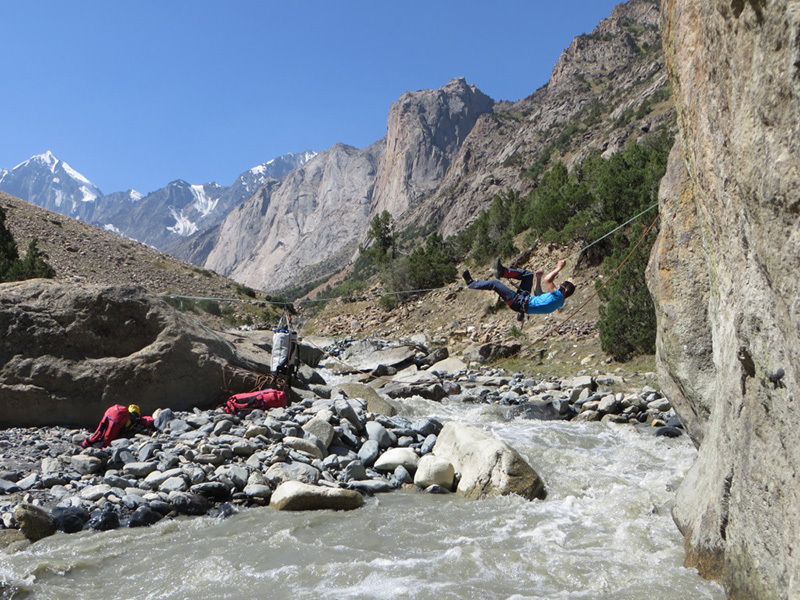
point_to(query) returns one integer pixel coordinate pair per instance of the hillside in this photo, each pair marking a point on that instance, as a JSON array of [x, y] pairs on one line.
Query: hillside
[[560, 344], [81, 253]]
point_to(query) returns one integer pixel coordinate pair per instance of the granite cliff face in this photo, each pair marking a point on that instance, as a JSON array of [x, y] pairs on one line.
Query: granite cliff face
[[309, 224], [303, 226], [426, 130], [724, 275]]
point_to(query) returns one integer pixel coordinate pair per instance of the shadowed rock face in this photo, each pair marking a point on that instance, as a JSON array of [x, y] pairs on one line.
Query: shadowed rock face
[[725, 277], [67, 352]]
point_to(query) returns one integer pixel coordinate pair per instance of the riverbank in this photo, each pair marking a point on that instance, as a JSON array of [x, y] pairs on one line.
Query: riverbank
[[338, 437]]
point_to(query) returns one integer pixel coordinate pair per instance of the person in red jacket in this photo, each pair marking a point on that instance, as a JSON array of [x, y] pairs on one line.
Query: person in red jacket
[[116, 420]]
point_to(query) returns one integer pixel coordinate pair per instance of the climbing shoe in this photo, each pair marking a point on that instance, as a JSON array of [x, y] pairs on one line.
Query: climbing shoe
[[499, 269], [467, 277]]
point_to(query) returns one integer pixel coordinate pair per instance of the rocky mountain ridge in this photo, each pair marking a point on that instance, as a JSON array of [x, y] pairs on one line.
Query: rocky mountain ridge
[[163, 218], [449, 151]]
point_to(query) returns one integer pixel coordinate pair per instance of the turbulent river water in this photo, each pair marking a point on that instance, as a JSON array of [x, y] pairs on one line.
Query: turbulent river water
[[604, 532]]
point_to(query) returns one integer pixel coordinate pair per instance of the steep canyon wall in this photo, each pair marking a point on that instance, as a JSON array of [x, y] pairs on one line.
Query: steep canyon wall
[[725, 274]]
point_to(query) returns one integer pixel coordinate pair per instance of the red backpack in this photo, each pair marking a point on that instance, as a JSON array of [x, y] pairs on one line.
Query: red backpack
[[250, 401]]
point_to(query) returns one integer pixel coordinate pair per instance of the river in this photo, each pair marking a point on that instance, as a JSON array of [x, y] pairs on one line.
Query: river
[[604, 532]]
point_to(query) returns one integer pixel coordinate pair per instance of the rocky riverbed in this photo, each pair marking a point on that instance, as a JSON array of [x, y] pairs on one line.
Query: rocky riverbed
[[331, 446]]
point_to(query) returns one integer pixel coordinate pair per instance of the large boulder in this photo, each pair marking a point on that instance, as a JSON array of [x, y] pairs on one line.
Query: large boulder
[[294, 495], [488, 466], [724, 275], [68, 352]]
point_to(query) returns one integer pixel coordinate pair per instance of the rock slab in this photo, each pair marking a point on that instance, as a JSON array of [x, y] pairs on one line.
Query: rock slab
[[294, 495]]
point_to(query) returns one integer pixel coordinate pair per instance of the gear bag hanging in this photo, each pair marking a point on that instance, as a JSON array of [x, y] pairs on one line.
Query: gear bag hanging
[[284, 348]]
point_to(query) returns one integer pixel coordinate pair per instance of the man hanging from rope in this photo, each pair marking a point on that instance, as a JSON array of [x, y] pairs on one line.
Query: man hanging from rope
[[526, 299]]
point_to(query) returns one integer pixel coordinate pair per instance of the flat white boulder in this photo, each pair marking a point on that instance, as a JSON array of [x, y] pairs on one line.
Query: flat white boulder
[[488, 466], [294, 495], [451, 366]]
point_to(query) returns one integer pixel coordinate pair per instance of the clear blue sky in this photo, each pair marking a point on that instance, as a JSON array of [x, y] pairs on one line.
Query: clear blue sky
[[135, 94]]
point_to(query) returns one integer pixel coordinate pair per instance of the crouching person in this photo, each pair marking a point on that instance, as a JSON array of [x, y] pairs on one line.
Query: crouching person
[[118, 420]]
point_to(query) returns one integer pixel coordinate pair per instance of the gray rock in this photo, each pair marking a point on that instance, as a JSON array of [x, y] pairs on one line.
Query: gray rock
[[428, 444], [346, 411], [433, 470], [402, 475], [378, 433], [85, 464], [8, 487], [28, 482], [139, 469], [321, 429], [70, 519], [144, 516], [188, 504], [371, 486], [394, 457], [162, 419], [608, 404], [488, 466], [282, 472], [237, 475], [174, 484], [294, 495], [93, 493], [216, 490], [303, 445], [369, 452], [107, 365], [257, 490], [354, 471]]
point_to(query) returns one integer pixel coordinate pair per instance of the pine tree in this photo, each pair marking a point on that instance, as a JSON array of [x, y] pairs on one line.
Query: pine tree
[[14, 269], [8, 248]]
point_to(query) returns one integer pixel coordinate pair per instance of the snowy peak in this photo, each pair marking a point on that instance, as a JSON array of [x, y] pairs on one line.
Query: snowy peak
[[276, 168], [46, 180]]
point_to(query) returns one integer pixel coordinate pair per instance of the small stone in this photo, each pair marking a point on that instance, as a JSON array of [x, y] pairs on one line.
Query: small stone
[[85, 464]]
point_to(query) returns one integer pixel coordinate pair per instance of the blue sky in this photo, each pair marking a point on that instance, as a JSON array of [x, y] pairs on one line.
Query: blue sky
[[136, 94]]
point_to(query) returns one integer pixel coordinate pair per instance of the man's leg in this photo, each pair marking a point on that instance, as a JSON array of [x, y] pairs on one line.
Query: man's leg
[[504, 292], [525, 278]]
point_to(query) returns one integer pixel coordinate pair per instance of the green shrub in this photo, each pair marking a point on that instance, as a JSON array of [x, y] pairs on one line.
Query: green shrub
[[210, 306]]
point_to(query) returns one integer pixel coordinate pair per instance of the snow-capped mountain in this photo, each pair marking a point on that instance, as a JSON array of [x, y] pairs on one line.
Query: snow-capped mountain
[[161, 218], [51, 183]]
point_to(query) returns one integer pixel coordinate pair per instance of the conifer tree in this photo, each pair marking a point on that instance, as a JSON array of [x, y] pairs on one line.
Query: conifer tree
[[14, 269]]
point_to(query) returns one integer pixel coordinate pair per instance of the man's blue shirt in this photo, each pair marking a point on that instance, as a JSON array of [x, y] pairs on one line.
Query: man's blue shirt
[[545, 303]]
